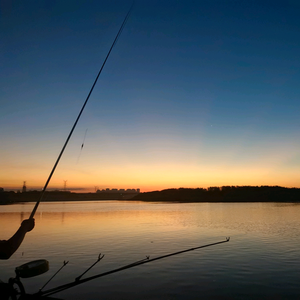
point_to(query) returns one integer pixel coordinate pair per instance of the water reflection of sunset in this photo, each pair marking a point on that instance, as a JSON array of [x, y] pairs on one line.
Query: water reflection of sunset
[[125, 226], [82, 219], [128, 231]]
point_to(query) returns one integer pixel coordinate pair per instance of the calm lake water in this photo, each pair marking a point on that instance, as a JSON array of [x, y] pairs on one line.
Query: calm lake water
[[261, 261]]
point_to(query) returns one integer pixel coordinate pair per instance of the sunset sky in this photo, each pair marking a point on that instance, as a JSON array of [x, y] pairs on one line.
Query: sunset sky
[[194, 94]]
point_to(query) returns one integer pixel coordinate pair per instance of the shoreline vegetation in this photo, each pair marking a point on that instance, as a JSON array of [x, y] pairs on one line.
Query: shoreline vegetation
[[224, 194], [211, 194]]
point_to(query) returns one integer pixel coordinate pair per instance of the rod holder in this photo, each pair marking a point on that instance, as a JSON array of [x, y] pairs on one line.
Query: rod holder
[[99, 258]]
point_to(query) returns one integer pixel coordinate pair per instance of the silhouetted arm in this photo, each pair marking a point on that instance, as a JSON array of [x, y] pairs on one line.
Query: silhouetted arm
[[8, 248]]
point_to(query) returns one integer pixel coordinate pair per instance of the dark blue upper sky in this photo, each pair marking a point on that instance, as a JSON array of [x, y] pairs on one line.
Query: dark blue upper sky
[[195, 93]]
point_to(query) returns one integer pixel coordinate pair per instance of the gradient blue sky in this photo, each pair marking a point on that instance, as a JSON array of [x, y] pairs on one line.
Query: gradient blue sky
[[195, 93]]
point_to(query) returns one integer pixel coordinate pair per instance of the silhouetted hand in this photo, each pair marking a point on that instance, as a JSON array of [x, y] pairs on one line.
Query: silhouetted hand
[[27, 225]]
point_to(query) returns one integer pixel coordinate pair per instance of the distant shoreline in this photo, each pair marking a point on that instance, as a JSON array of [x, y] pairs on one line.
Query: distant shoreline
[[236, 194], [224, 194], [33, 196]]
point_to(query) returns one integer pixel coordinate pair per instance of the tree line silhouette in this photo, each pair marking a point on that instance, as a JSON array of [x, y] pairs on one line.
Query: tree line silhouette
[[224, 194], [211, 194]]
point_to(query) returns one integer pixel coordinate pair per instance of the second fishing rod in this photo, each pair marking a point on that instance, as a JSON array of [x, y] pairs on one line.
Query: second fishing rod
[[78, 280]]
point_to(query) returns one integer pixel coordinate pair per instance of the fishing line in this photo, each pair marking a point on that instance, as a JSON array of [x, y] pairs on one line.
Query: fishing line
[[71, 132], [82, 145]]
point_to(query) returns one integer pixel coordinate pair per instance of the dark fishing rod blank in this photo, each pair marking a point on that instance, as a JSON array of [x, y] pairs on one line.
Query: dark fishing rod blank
[[78, 117]]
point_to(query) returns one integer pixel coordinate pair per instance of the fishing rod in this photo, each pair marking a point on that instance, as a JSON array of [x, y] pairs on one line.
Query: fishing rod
[[71, 132], [138, 263]]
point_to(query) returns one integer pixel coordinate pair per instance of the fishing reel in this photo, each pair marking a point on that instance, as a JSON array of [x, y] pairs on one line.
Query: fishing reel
[[15, 289]]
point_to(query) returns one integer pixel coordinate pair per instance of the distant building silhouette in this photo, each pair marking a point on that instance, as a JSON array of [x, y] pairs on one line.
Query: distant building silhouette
[[122, 191], [24, 187]]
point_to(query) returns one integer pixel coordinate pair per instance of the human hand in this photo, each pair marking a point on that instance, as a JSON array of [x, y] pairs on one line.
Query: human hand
[[28, 224]]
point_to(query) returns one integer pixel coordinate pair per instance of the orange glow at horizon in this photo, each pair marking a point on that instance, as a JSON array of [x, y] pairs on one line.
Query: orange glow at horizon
[[160, 177], [170, 164]]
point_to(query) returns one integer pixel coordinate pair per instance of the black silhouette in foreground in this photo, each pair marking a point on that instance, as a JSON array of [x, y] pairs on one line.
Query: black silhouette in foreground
[[38, 267], [9, 247]]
